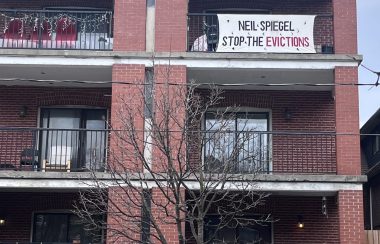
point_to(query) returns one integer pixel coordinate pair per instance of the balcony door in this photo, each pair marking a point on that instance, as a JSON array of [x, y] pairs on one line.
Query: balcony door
[[240, 139], [73, 138]]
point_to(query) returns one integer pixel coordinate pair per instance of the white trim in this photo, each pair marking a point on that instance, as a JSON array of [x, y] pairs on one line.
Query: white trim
[[189, 62], [300, 187]]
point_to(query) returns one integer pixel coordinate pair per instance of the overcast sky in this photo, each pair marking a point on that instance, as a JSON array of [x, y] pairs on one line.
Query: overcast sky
[[369, 47]]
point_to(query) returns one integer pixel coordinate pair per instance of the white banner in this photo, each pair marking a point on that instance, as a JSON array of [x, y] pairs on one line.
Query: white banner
[[266, 33]]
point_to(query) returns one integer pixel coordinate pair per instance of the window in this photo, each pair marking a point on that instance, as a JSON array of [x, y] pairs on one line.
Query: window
[[73, 136], [61, 228], [239, 139], [235, 233]]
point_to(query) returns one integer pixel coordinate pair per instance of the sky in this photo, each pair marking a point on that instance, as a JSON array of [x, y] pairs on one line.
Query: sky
[[369, 47]]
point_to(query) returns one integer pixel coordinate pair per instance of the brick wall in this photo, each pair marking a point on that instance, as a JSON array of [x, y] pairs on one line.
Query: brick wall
[[318, 228], [311, 111], [171, 25], [124, 215], [129, 25], [127, 112], [170, 114], [345, 26], [164, 216], [19, 207], [351, 227], [13, 98], [347, 121]]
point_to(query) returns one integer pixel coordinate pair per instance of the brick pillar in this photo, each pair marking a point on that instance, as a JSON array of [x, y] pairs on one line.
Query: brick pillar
[[171, 25], [351, 226], [345, 26], [347, 121], [126, 100], [174, 96], [168, 97], [167, 224], [124, 215], [127, 106], [129, 25]]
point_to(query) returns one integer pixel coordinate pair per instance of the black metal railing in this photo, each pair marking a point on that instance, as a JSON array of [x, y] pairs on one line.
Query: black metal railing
[[203, 33], [56, 29], [66, 150], [70, 150], [270, 152]]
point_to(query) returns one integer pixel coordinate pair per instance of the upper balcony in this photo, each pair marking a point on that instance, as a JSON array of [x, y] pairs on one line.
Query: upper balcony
[[56, 29], [261, 26]]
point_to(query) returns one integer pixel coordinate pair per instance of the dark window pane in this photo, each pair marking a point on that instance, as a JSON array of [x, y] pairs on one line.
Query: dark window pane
[[50, 227]]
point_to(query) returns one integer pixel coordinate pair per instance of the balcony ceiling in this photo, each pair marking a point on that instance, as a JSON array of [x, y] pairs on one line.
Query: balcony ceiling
[[36, 75], [265, 76]]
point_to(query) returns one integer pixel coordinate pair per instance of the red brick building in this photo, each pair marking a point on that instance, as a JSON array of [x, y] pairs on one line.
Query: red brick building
[[57, 61]]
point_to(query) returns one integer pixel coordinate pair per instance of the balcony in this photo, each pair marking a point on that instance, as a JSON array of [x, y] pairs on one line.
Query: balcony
[[269, 152], [56, 29], [80, 150], [62, 150], [248, 35]]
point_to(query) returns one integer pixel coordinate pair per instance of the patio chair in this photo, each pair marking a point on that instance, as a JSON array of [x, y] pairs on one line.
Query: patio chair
[[28, 156], [29, 159]]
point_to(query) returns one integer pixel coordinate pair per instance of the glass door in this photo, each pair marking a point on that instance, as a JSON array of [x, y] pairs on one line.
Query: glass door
[[60, 138], [73, 139], [239, 139], [95, 139], [253, 141]]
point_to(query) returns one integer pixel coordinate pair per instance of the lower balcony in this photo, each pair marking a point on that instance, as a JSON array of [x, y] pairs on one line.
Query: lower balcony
[[262, 152], [62, 150]]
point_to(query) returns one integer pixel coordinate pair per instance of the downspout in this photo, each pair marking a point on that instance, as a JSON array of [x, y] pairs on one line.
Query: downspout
[[370, 207]]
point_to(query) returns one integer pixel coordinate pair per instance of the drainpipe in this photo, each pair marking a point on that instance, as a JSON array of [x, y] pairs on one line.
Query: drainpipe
[[370, 207]]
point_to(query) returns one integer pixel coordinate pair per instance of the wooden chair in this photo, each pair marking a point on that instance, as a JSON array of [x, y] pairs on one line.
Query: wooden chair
[[46, 166]]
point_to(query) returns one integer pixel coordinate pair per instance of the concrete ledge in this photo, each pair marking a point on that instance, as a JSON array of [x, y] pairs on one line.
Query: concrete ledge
[[80, 54], [261, 178], [304, 185]]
